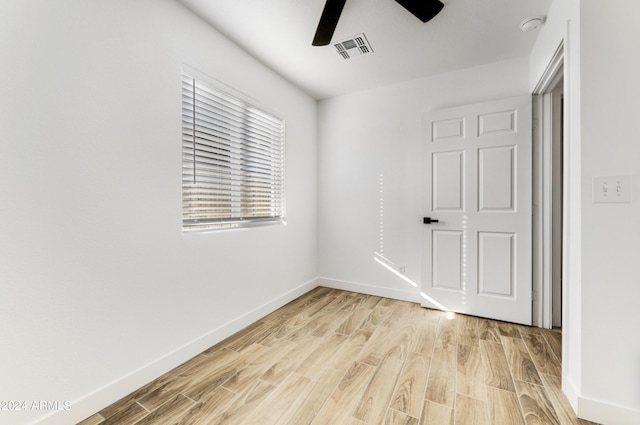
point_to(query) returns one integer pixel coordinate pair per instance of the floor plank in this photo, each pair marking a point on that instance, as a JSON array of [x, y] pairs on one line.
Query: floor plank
[[313, 365], [218, 371], [279, 400], [447, 334], [541, 354], [256, 368], [377, 346], [398, 418], [488, 330], [410, 389], [353, 322], [292, 360], [131, 413], [522, 367], [434, 413], [128, 404], [377, 316], [535, 404], [554, 339], [345, 355], [468, 331], [470, 411], [170, 412], [496, 366], [211, 406], [424, 338], [375, 400], [508, 329], [96, 419], [312, 400], [504, 407], [442, 377], [339, 406], [244, 404], [470, 377]]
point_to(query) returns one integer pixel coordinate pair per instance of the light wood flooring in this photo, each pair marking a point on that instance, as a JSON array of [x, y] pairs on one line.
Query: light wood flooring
[[341, 358]]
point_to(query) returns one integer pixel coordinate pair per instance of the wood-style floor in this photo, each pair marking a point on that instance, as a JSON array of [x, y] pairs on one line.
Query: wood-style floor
[[341, 358]]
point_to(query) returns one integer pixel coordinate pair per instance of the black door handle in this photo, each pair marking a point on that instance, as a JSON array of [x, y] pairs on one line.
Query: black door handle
[[429, 220]]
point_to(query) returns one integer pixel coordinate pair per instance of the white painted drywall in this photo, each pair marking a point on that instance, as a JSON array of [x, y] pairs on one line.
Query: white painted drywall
[[610, 65], [601, 353], [99, 287], [370, 153]]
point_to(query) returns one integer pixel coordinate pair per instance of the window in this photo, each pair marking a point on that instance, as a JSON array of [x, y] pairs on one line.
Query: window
[[232, 159]]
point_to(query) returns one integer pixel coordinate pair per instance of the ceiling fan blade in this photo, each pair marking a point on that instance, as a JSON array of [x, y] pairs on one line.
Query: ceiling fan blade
[[424, 10], [328, 22]]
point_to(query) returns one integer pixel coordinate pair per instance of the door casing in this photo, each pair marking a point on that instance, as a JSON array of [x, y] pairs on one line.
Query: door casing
[[543, 192]]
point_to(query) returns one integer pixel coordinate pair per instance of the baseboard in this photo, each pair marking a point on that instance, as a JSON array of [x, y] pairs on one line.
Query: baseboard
[[599, 411], [606, 413], [363, 288], [114, 391], [571, 392]]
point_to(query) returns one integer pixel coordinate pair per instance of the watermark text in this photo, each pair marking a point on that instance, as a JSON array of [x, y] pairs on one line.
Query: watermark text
[[46, 405]]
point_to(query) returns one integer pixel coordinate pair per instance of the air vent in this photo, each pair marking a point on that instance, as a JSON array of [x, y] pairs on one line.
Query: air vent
[[353, 46]]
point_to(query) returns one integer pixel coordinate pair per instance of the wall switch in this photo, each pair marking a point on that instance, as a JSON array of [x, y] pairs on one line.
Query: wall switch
[[612, 189]]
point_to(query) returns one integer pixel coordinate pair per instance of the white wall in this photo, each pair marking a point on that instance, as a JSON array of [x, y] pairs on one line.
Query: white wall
[[100, 291], [602, 350], [375, 135], [610, 55]]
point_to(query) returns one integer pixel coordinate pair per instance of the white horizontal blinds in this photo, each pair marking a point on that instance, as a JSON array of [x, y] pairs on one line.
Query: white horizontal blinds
[[232, 160]]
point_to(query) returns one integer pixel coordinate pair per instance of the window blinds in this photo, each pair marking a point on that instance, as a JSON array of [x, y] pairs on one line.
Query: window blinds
[[232, 160]]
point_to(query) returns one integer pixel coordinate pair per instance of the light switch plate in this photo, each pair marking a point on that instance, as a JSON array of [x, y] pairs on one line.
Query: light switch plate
[[612, 189]]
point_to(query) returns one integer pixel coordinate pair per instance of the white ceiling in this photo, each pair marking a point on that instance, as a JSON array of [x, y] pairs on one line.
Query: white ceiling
[[465, 33]]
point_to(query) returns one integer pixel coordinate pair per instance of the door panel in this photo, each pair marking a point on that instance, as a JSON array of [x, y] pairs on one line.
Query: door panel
[[448, 181], [497, 122], [447, 259], [447, 129], [496, 264], [496, 178], [477, 184]]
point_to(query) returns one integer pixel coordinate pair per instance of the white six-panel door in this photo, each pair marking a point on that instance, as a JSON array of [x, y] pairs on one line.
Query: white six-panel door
[[477, 184]]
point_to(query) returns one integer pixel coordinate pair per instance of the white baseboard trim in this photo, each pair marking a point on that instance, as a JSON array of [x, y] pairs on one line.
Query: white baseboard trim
[[599, 411], [363, 288], [98, 400], [606, 413], [571, 391]]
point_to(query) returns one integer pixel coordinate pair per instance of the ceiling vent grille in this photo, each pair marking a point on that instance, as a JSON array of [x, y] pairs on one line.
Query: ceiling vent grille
[[353, 46]]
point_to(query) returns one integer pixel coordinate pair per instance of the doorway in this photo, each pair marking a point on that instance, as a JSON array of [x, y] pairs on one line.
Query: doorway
[[549, 193]]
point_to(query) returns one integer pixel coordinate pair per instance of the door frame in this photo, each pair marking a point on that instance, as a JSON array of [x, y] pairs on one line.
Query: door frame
[[542, 192]]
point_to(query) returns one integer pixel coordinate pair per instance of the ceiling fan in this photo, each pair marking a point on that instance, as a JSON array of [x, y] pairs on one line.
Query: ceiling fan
[[424, 10]]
